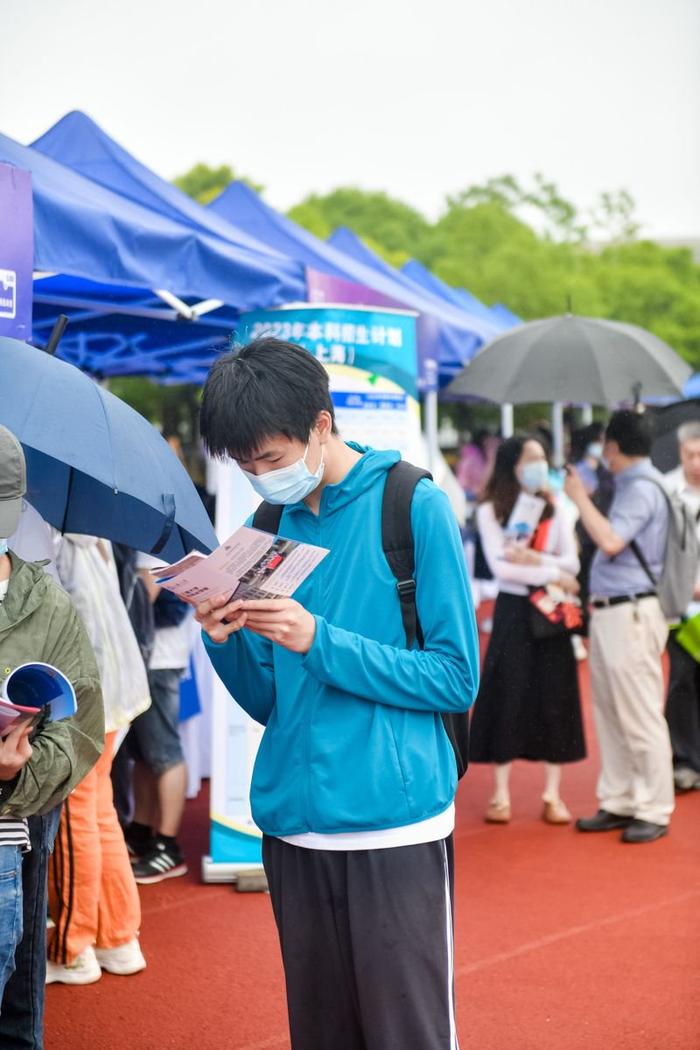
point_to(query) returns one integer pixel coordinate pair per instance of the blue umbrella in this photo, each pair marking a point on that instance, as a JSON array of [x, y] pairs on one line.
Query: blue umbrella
[[94, 465]]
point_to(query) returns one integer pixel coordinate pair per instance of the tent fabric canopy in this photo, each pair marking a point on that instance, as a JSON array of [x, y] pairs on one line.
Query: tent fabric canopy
[[114, 231], [241, 205], [460, 297], [106, 254], [79, 143], [86, 230]]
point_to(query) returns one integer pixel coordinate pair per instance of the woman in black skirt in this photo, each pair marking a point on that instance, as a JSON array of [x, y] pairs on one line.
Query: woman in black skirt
[[528, 704]]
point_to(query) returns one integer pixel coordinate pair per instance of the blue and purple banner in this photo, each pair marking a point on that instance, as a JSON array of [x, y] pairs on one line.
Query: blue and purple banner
[[16, 252], [380, 341]]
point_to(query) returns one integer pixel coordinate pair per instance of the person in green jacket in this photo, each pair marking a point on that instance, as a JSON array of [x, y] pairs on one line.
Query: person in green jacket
[[37, 771]]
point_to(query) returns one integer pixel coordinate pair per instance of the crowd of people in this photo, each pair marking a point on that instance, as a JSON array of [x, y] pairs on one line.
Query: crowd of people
[[90, 805], [364, 689]]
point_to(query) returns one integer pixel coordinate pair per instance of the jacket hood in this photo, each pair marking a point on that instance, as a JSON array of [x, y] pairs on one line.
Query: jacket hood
[[373, 465], [28, 586]]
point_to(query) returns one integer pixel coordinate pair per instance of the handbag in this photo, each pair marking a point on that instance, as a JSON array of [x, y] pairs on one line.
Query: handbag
[[550, 617]]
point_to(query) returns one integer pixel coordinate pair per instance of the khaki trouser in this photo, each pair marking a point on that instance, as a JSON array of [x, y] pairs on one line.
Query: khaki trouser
[[93, 897], [636, 774]]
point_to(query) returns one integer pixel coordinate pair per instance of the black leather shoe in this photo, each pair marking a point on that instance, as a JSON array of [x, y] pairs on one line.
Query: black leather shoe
[[603, 821], [644, 831]]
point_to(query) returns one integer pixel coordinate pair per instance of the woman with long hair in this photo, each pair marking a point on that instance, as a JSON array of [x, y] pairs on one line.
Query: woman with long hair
[[528, 705]]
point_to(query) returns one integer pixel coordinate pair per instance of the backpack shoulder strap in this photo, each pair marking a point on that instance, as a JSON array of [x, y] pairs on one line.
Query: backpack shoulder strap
[[267, 517], [397, 540]]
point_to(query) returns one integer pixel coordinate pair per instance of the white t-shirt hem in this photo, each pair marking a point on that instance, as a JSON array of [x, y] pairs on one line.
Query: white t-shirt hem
[[431, 830]]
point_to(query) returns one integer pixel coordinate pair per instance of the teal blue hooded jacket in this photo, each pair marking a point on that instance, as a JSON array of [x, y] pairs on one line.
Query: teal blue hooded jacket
[[354, 740]]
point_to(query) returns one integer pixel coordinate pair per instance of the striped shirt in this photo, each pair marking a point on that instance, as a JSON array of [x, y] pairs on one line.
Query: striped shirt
[[13, 832]]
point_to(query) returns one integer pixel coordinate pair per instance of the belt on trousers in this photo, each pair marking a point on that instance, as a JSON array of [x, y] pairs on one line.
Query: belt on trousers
[[620, 599]]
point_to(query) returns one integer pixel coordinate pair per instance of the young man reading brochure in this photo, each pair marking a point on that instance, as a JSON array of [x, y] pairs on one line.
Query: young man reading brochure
[[355, 779]]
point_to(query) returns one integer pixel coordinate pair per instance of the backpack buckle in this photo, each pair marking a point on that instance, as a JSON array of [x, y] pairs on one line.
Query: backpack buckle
[[406, 588]]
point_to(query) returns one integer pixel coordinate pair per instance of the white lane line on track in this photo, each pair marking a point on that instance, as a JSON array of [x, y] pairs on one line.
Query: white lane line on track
[[572, 931]]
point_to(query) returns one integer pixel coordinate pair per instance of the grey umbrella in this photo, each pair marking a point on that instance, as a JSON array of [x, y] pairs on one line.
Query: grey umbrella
[[584, 360]]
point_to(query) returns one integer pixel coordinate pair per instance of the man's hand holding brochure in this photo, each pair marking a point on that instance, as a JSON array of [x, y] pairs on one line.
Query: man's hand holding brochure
[[248, 582]]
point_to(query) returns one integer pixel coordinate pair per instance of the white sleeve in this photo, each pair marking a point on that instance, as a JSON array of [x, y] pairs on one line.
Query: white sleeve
[[566, 559], [492, 540]]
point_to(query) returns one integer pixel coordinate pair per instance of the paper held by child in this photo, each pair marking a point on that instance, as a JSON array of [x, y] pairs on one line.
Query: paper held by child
[[249, 564], [34, 690]]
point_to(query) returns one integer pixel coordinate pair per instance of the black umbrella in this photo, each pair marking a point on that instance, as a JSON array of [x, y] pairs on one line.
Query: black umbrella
[[584, 360], [667, 420]]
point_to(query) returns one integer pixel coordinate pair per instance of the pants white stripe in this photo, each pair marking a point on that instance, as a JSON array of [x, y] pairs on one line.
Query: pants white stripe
[[454, 1042]]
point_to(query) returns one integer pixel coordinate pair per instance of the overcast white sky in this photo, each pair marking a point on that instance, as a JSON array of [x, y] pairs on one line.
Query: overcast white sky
[[417, 98]]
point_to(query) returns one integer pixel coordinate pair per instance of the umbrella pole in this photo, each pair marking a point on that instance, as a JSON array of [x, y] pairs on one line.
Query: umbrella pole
[[507, 421], [558, 433]]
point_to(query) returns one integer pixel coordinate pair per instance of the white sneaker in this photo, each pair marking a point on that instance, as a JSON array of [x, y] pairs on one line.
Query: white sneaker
[[83, 970], [124, 959]]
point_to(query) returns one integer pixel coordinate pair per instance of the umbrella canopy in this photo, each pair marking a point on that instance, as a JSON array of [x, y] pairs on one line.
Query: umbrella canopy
[[94, 465], [573, 359], [664, 451]]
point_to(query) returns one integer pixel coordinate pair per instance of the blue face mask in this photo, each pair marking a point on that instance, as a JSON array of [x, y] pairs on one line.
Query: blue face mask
[[288, 484], [3, 547], [595, 451], [534, 476]]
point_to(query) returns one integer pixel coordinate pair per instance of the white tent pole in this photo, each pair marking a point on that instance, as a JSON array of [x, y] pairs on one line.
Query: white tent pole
[[507, 421], [586, 415], [430, 403]]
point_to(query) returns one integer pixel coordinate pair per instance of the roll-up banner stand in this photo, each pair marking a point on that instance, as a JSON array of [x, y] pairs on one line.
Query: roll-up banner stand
[[372, 408], [16, 252]]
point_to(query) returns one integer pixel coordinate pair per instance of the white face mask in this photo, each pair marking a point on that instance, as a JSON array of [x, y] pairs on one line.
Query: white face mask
[[595, 450], [3, 547], [288, 484], [534, 476]]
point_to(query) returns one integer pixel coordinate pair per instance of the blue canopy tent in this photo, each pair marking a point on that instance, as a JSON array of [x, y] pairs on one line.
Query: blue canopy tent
[[460, 297], [506, 315], [109, 258], [77, 142], [450, 334], [241, 217]]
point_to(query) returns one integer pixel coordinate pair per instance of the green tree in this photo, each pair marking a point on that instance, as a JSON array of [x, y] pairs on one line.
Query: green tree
[[392, 226]]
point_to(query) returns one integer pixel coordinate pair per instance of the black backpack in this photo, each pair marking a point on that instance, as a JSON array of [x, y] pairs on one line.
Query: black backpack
[[397, 544]]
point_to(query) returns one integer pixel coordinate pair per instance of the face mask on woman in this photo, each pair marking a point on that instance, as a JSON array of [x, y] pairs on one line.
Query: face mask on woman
[[595, 450], [289, 484], [534, 476]]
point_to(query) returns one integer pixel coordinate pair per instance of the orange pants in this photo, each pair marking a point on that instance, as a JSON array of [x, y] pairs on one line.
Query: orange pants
[[93, 898]]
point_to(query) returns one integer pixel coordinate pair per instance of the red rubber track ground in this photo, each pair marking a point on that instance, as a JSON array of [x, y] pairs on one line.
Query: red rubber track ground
[[564, 941]]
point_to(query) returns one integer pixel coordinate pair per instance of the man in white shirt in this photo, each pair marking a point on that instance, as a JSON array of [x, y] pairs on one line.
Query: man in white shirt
[[683, 702]]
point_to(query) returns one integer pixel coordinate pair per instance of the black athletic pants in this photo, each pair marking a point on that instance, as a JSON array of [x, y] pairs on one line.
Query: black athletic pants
[[366, 941], [683, 707]]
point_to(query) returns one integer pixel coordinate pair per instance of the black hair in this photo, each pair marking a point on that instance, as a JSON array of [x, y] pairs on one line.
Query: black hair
[[632, 431], [583, 437], [266, 388], [503, 488]]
